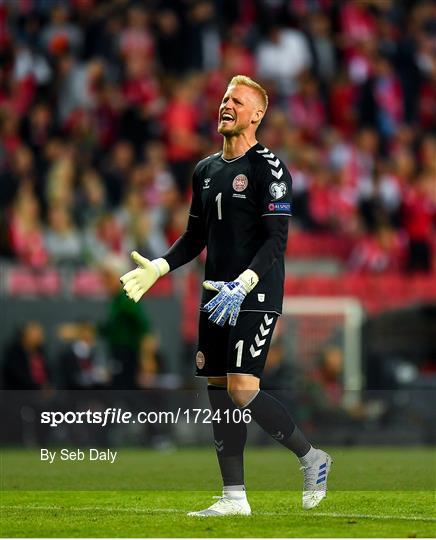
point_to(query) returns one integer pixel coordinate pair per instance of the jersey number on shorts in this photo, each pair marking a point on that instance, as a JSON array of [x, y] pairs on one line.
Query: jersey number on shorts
[[240, 347]]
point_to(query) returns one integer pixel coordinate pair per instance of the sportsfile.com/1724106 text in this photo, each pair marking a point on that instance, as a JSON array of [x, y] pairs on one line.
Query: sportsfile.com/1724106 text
[[113, 415]]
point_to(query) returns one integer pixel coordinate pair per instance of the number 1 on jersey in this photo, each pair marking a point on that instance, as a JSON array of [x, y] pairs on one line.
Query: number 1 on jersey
[[240, 347], [218, 202]]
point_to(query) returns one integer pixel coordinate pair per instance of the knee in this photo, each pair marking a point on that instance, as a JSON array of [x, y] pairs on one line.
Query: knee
[[241, 397], [242, 392]]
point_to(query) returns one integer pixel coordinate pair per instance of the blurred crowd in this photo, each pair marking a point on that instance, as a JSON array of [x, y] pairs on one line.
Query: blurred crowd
[[105, 107], [121, 351]]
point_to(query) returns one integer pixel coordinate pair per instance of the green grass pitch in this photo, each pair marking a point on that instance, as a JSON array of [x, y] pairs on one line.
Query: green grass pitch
[[383, 492]]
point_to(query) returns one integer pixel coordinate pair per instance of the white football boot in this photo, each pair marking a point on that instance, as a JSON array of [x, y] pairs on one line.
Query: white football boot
[[315, 479], [225, 506]]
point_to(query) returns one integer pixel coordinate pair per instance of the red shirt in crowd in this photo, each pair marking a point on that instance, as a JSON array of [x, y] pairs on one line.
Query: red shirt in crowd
[[27, 245], [419, 215], [343, 99], [180, 121], [384, 251], [357, 23], [307, 113], [427, 105], [140, 91], [331, 206]]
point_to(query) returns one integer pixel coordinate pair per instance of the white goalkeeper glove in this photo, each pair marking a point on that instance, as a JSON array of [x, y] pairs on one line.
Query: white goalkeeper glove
[[227, 303], [137, 282]]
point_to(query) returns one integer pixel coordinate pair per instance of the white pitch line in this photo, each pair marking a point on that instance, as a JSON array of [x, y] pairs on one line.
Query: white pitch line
[[352, 516], [178, 511], [372, 516], [95, 508]]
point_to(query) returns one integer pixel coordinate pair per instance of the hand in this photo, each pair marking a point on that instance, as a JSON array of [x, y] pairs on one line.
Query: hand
[[137, 282], [227, 303]]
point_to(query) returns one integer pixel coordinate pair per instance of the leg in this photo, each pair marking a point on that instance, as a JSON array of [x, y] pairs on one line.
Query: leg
[[229, 439], [229, 436], [268, 412], [272, 416], [249, 346]]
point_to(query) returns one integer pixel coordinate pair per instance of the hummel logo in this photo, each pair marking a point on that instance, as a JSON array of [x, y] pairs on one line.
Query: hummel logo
[[259, 342], [206, 183], [264, 331], [258, 339], [275, 163], [277, 174], [253, 351], [272, 160], [268, 320], [219, 445], [278, 436]]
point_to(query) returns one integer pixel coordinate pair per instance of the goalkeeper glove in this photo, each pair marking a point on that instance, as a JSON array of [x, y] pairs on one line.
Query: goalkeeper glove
[[227, 303], [137, 282]]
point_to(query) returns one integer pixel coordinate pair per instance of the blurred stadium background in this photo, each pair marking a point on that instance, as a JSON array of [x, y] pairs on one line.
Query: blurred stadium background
[[104, 109]]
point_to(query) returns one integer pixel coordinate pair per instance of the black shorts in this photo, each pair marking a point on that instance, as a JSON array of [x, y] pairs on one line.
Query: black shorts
[[234, 349]]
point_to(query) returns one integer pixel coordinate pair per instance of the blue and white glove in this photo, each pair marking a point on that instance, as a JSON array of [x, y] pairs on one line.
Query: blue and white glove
[[226, 305]]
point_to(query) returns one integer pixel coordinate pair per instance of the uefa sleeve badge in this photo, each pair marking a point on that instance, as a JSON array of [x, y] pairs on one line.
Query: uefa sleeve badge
[[278, 190]]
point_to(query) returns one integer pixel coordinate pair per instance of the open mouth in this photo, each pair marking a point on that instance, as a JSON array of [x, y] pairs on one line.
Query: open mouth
[[227, 117]]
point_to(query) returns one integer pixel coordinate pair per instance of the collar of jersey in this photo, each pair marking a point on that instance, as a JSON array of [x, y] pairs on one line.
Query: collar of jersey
[[234, 159], [239, 157]]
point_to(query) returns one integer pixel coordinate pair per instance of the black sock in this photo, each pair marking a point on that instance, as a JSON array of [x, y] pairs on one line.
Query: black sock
[[230, 438], [272, 416]]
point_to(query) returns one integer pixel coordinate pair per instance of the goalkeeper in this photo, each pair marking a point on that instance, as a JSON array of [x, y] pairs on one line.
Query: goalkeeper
[[241, 204]]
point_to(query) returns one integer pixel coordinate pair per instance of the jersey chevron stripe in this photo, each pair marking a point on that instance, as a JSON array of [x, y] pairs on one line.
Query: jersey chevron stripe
[[275, 163], [277, 174], [269, 156], [258, 338]]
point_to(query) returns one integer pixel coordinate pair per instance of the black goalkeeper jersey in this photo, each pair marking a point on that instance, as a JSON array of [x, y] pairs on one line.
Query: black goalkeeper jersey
[[232, 199]]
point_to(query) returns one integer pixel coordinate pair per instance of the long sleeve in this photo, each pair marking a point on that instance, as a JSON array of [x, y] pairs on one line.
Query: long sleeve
[[274, 245], [274, 199], [193, 240], [188, 246]]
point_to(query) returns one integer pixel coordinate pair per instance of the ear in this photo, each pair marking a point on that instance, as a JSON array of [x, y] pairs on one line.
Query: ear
[[257, 116]]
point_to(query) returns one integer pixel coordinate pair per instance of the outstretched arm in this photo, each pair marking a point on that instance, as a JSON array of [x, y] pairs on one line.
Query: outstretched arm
[[188, 246], [137, 282]]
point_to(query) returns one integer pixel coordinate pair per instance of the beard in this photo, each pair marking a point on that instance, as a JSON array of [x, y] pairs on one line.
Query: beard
[[230, 131]]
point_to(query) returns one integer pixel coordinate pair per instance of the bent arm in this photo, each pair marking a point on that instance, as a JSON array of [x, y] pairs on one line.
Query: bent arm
[[274, 245]]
